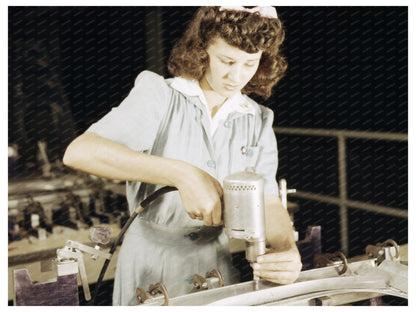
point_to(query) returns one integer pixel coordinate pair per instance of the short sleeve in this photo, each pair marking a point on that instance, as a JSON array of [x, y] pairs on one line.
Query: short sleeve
[[135, 122], [267, 162]]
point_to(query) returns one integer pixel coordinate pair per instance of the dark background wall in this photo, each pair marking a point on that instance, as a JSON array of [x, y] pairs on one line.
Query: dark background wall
[[347, 70]]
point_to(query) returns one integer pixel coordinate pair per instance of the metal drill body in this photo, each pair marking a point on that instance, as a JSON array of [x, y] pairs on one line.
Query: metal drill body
[[244, 211]]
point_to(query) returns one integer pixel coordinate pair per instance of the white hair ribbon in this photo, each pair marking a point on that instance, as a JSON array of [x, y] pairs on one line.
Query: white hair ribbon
[[264, 11]]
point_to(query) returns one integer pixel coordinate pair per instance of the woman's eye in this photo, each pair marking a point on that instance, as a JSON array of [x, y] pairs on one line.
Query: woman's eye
[[227, 62]]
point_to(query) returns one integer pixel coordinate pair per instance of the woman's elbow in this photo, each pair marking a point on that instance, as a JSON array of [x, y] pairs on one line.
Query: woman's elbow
[[69, 156], [75, 153]]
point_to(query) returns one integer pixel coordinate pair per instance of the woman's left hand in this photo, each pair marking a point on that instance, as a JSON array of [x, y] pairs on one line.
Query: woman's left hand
[[278, 267]]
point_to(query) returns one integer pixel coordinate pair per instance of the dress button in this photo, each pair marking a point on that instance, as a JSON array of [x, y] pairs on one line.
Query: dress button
[[227, 124], [211, 163]]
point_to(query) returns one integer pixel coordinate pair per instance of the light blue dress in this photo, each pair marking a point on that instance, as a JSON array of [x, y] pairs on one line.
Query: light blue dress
[[168, 117]]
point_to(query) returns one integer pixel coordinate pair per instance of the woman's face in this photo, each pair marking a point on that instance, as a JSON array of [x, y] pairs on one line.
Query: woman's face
[[230, 68]]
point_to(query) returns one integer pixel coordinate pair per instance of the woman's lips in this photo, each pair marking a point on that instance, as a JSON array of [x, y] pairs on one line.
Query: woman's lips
[[230, 87]]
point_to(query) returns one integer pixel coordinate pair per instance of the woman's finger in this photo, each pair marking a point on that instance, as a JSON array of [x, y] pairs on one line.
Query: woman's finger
[[277, 277], [275, 266], [207, 219]]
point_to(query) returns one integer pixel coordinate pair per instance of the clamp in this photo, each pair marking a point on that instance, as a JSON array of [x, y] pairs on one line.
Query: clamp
[[72, 252], [387, 250], [212, 279]]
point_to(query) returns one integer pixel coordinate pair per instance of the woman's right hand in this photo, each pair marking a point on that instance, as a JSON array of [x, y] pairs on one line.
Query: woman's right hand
[[201, 195]]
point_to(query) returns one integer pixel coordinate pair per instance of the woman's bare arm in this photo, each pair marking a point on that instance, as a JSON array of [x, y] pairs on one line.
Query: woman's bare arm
[[200, 193]]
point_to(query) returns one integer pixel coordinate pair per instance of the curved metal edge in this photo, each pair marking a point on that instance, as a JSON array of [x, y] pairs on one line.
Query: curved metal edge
[[287, 291], [307, 297]]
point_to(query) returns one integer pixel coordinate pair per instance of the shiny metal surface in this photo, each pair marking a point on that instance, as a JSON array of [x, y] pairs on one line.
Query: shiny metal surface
[[323, 286], [244, 211]]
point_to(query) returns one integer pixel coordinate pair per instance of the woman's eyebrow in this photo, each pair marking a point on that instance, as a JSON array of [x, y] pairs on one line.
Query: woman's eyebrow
[[226, 57], [254, 60], [231, 59]]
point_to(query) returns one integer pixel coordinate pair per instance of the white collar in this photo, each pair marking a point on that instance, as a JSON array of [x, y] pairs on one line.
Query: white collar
[[237, 103]]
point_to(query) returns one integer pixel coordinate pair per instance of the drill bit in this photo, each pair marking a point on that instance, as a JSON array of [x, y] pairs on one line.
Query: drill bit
[[256, 282]]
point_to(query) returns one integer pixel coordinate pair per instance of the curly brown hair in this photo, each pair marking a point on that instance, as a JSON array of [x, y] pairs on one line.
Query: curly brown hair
[[249, 32]]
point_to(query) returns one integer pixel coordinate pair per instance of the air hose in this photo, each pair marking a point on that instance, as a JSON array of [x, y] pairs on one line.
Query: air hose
[[143, 205]]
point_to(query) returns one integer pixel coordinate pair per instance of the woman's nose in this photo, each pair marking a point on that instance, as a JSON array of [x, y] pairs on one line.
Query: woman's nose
[[234, 73]]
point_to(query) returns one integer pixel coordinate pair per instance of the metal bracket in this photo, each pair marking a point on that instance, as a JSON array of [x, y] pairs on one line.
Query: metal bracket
[[156, 291], [216, 273], [142, 295], [331, 260], [88, 249], [283, 191], [388, 250], [65, 254], [159, 288], [72, 250], [212, 279]]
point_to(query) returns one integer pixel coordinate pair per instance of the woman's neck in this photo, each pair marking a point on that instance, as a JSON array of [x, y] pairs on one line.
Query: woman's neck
[[214, 100]]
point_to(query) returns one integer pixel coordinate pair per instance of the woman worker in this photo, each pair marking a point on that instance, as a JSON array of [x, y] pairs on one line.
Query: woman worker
[[190, 132]]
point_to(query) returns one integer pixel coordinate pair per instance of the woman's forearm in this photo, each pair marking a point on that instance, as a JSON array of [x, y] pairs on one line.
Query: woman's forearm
[[279, 231], [96, 155], [200, 192]]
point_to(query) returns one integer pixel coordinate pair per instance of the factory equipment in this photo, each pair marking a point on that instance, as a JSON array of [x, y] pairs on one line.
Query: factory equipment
[[69, 261], [44, 213], [333, 281], [336, 283], [158, 291], [38, 206]]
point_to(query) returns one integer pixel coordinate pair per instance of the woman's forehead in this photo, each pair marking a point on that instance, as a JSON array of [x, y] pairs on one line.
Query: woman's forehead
[[220, 47]]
